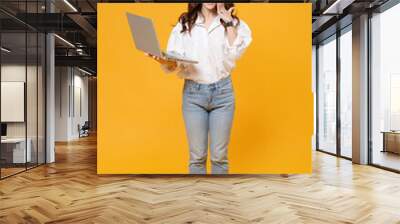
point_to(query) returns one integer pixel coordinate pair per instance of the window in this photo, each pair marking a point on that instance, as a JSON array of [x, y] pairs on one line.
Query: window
[[327, 95], [346, 93], [385, 89]]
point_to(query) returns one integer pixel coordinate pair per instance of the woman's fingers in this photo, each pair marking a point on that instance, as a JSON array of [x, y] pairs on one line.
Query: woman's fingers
[[161, 60], [221, 8], [225, 14], [149, 55], [154, 57]]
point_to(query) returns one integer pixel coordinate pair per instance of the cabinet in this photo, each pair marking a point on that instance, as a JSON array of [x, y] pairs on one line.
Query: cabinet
[[391, 142]]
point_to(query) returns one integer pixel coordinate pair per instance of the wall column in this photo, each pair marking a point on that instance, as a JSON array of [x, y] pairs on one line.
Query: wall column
[[50, 92], [360, 90]]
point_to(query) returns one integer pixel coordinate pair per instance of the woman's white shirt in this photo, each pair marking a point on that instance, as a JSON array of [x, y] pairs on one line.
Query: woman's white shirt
[[210, 47]]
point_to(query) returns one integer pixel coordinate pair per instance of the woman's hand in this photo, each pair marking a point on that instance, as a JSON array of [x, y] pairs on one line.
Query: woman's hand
[[225, 15], [170, 64]]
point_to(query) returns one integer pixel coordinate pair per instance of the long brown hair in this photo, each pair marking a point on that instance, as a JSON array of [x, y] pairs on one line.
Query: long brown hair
[[187, 19]]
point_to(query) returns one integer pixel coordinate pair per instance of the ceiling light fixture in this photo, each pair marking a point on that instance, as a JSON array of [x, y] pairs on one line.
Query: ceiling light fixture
[[338, 6], [5, 50], [70, 5], [84, 71], [65, 41]]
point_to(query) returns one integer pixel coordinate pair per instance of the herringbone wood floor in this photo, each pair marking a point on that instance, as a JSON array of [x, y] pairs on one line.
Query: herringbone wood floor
[[69, 191]]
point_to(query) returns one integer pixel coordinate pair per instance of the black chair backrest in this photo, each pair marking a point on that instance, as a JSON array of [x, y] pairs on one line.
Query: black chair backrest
[[86, 125]]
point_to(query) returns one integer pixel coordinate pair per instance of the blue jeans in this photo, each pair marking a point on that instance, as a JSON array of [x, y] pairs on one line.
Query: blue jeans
[[208, 112]]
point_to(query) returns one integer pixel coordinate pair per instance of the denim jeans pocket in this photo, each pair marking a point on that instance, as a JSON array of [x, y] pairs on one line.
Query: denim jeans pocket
[[187, 88], [227, 88], [190, 90]]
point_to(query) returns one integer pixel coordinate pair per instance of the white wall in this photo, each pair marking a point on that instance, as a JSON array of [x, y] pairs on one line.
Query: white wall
[[62, 82], [81, 84], [71, 87]]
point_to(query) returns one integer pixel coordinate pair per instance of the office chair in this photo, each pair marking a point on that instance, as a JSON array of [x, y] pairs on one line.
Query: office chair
[[84, 130]]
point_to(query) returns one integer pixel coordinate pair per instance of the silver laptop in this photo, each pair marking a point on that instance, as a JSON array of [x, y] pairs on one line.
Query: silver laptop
[[145, 38]]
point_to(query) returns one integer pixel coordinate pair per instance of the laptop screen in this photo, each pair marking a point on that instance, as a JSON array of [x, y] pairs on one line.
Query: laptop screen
[[3, 129]]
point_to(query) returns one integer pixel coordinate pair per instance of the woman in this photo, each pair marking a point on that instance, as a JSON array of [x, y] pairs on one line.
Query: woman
[[212, 35]]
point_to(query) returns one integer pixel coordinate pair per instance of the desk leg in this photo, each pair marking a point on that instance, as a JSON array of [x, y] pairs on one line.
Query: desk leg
[[384, 142]]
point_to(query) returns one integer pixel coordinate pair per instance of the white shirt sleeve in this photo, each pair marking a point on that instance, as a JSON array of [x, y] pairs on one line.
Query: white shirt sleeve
[[242, 41], [175, 44]]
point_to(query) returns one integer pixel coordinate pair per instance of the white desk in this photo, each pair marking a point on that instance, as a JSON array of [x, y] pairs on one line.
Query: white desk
[[18, 144]]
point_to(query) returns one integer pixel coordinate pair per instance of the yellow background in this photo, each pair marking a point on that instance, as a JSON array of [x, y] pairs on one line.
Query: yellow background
[[140, 123]]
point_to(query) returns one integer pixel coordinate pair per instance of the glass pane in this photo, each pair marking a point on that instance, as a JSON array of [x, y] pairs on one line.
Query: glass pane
[[314, 78], [22, 89], [327, 96], [14, 153], [32, 97], [32, 86], [41, 98], [346, 93], [386, 89]]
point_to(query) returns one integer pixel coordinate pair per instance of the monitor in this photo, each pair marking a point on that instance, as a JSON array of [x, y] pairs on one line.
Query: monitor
[[3, 129]]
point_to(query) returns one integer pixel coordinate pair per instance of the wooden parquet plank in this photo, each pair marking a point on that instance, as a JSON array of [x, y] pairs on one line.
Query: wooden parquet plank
[[70, 191]]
